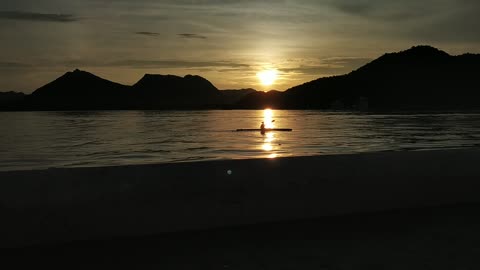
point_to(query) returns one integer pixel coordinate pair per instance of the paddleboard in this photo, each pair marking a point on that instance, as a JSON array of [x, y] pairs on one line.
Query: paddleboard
[[266, 130]]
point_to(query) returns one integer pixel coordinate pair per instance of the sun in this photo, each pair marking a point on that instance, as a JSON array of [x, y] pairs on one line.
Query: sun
[[267, 77]]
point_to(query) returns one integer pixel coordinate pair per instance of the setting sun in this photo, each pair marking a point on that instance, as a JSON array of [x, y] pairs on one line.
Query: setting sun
[[267, 77]]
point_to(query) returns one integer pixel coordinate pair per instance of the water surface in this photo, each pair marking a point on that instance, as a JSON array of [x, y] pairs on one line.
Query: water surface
[[35, 140]]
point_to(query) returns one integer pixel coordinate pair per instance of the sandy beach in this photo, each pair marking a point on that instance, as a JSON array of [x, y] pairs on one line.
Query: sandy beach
[[444, 237], [390, 210], [63, 205]]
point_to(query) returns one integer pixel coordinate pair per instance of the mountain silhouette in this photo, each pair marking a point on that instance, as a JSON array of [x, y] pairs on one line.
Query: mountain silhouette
[[11, 100], [233, 96], [169, 91], [10, 96], [79, 90], [270, 99], [421, 78]]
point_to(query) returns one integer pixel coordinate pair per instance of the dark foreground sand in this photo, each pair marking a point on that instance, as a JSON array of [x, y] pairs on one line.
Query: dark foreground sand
[[325, 212], [432, 238]]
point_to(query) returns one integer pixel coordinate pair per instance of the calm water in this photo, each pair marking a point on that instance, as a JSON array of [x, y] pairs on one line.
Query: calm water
[[33, 140]]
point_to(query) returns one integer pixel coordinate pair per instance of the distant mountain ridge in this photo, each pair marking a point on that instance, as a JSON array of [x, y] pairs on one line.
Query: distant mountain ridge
[[78, 84], [11, 97], [81, 90], [176, 85], [174, 91], [231, 96], [420, 78]]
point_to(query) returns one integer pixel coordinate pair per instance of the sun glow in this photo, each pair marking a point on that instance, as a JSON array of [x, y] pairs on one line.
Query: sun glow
[[268, 118], [267, 77]]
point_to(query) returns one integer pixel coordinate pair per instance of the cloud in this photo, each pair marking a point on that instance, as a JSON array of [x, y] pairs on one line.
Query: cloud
[[12, 65], [128, 63], [192, 36], [41, 17], [346, 61], [386, 10], [328, 66], [355, 8], [315, 70], [176, 64], [152, 34]]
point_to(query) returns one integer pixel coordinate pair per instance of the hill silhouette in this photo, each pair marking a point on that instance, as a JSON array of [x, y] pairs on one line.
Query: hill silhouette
[[169, 91], [232, 96], [270, 99], [11, 100], [79, 90], [6, 97], [420, 78]]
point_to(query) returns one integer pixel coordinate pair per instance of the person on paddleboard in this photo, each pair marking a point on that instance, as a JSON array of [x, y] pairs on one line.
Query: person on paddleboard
[[262, 128]]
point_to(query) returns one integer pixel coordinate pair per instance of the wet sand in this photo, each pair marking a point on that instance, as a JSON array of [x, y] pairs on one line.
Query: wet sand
[[315, 209]]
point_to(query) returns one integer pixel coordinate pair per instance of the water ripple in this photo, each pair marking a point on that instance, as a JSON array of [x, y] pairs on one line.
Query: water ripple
[[35, 140]]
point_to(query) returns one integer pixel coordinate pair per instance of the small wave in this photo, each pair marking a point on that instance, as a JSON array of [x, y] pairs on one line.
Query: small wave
[[84, 144], [197, 148]]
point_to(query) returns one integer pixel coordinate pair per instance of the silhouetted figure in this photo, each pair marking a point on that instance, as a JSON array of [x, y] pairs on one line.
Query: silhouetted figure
[[262, 128]]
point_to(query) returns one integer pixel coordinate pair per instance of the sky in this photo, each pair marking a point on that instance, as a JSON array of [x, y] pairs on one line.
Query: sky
[[228, 42]]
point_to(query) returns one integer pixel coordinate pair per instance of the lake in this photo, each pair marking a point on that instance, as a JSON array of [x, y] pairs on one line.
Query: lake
[[38, 140]]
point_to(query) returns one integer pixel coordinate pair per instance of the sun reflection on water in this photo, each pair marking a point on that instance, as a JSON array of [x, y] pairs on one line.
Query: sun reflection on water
[[267, 147], [268, 137], [273, 155], [268, 118]]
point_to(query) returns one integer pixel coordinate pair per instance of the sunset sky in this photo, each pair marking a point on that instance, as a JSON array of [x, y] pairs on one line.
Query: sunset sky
[[226, 41]]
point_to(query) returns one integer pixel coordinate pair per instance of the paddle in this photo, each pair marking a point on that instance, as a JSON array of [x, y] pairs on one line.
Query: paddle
[[272, 121]]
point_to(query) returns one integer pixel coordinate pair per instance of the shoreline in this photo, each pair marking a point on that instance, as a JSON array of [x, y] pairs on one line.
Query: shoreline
[[68, 204], [474, 110]]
